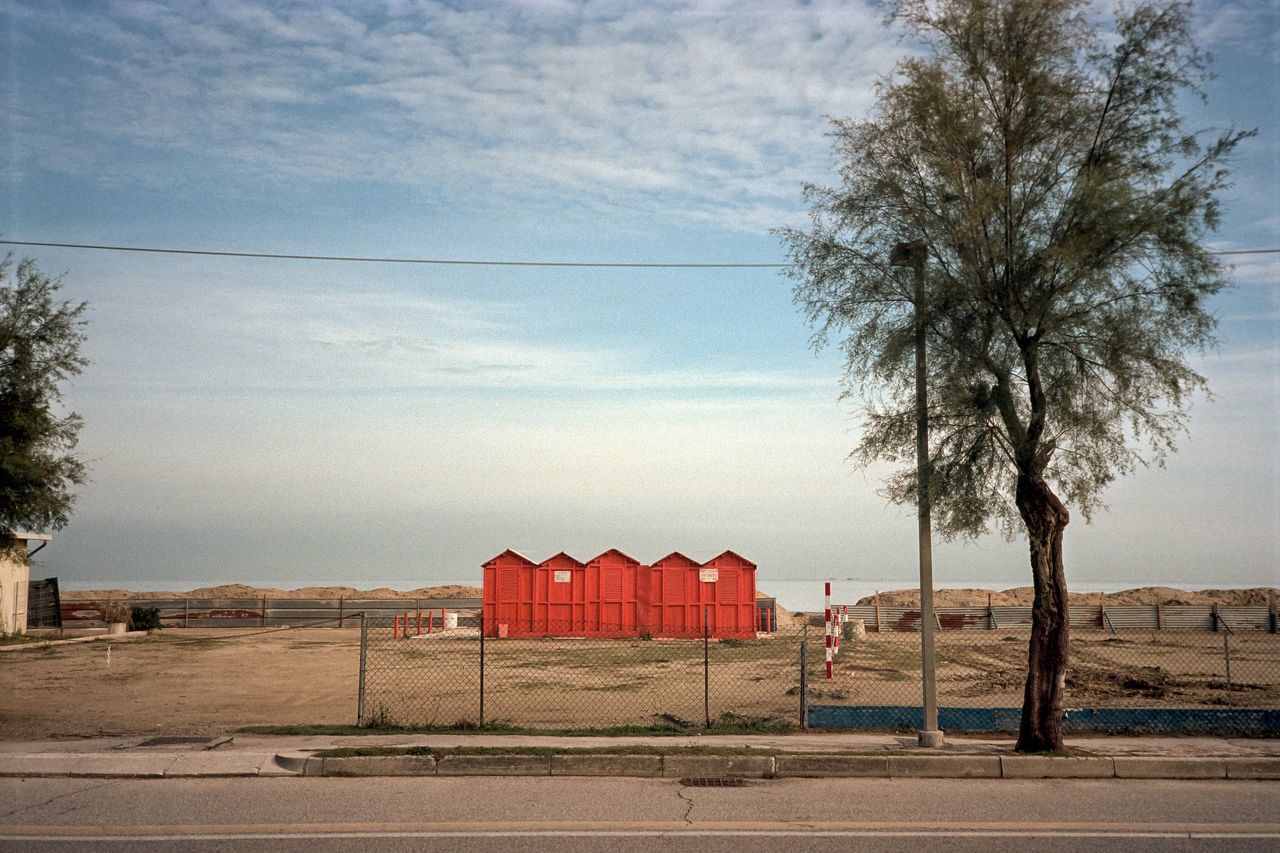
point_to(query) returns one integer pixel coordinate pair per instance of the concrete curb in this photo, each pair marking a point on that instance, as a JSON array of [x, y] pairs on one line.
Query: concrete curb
[[795, 766], [743, 765], [71, 641], [1056, 767], [1133, 767]]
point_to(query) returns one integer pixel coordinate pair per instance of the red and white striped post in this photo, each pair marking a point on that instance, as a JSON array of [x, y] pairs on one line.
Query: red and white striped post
[[831, 652]]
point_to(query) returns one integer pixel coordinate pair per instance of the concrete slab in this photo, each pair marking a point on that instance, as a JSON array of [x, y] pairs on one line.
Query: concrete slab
[[494, 765], [831, 765], [755, 766], [606, 765], [1148, 767], [70, 641], [944, 766], [85, 764], [124, 765], [1054, 767], [219, 764]]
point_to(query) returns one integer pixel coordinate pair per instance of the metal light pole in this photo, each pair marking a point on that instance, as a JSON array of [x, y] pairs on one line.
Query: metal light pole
[[914, 255]]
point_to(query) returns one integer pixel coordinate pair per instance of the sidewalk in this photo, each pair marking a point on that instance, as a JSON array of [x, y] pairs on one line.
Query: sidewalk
[[884, 755]]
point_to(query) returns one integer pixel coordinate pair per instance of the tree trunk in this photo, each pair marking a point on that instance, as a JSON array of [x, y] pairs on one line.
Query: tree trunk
[[1046, 519]]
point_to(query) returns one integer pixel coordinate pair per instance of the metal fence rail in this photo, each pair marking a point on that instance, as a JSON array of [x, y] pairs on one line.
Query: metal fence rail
[[899, 619]]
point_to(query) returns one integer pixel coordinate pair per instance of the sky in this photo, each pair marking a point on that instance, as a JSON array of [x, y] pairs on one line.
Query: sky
[[301, 422]]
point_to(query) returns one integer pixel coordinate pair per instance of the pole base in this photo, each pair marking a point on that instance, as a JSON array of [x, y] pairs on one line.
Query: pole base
[[929, 739]]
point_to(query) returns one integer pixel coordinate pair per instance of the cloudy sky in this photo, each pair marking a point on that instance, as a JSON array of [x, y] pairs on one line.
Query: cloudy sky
[[309, 422]]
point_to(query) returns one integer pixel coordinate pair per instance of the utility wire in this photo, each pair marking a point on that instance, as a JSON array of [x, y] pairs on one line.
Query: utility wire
[[452, 262], [373, 260]]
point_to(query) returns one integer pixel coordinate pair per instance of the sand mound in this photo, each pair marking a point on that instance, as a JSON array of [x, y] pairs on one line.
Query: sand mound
[[1022, 596], [239, 590]]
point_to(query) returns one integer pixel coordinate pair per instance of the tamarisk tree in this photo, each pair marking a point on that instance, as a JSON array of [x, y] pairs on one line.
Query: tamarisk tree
[[40, 339], [1041, 160]]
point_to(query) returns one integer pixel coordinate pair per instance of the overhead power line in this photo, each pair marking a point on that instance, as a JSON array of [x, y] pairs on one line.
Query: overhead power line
[[375, 260], [156, 250]]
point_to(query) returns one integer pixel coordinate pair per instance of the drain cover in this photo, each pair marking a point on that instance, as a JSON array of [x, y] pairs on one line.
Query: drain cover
[[713, 782]]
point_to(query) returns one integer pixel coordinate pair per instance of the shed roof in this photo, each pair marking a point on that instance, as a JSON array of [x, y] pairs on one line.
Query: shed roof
[[568, 557], [730, 554], [31, 537], [492, 560], [614, 551], [676, 555]]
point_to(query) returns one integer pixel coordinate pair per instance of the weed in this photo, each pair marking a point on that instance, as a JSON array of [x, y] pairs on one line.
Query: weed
[[380, 718]]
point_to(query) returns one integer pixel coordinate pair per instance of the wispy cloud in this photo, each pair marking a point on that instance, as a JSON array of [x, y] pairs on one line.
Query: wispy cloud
[[678, 107], [215, 341]]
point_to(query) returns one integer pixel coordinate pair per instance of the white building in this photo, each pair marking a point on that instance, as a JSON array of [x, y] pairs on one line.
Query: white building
[[15, 576]]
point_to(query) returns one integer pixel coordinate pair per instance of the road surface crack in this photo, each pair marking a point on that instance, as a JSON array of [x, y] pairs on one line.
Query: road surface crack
[[689, 800], [54, 799]]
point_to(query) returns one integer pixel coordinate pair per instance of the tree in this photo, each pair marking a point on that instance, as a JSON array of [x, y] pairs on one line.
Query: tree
[[40, 338], [1043, 164]]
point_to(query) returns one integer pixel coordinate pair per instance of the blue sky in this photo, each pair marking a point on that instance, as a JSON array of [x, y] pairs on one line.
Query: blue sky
[[305, 422]]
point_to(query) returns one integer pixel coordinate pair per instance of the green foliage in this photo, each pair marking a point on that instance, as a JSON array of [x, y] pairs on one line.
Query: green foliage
[[1063, 206], [144, 618], [40, 338]]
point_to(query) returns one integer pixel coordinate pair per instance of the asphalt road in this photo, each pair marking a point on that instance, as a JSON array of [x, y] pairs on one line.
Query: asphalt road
[[579, 814]]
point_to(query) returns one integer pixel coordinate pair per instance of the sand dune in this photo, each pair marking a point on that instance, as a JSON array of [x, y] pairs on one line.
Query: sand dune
[[239, 590], [1021, 597]]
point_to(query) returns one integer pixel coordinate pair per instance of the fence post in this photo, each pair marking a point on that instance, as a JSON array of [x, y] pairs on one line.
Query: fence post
[[186, 614], [364, 641], [262, 619], [804, 678], [706, 666], [878, 628], [1274, 616], [1215, 616], [1226, 654], [340, 622], [481, 668]]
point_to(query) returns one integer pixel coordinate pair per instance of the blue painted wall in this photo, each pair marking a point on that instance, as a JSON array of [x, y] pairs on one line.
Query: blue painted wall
[[1218, 721]]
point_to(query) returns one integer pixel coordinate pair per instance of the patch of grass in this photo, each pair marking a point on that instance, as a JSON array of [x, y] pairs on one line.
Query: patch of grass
[[16, 640], [725, 724], [438, 752]]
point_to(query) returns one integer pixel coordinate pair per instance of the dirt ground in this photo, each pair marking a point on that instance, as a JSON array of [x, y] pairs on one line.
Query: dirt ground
[[180, 681], [207, 681]]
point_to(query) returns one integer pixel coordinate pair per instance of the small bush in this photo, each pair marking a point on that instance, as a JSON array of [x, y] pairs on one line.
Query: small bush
[[145, 618], [115, 611]]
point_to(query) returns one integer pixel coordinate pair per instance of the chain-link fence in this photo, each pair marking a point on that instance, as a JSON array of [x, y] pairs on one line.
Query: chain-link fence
[[1118, 680], [456, 677], [1123, 680]]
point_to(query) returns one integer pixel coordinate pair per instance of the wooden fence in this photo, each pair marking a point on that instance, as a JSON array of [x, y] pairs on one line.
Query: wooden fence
[[265, 612]]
